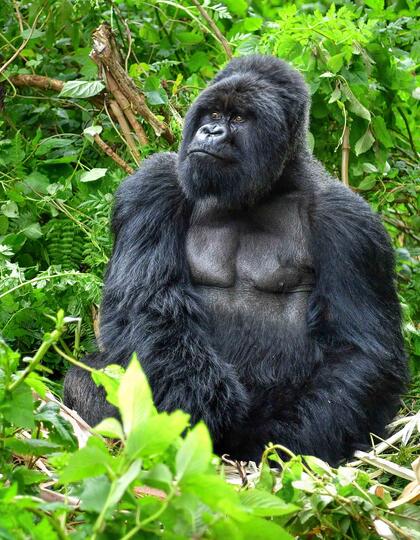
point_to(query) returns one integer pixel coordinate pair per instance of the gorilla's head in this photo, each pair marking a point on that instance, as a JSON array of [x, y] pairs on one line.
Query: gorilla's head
[[242, 130]]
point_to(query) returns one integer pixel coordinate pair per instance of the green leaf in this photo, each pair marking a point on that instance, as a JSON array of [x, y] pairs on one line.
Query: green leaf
[[376, 5], [95, 494], [88, 462], [135, 400], [32, 231], [381, 132], [31, 447], [195, 453], [364, 143], [81, 89], [154, 436], [261, 503], [92, 175], [354, 104], [367, 183], [189, 38], [335, 63], [110, 427], [91, 131], [155, 94], [261, 529], [10, 209], [19, 408], [109, 377]]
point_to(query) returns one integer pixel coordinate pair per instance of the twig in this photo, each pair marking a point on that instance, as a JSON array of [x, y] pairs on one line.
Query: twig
[[18, 15], [23, 44], [402, 226], [113, 155], [104, 54], [407, 127], [125, 128], [345, 154], [215, 29], [126, 108], [37, 81]]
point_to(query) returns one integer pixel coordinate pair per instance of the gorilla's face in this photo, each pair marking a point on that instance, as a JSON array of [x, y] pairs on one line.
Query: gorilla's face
[[242, 130]]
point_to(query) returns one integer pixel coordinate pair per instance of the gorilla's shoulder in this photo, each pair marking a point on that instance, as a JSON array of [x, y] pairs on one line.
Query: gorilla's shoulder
[[156, 174], [339, 213], [151, 191]]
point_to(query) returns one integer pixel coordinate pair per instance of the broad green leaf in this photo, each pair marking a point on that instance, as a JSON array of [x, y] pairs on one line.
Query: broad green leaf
[[381, 132], [31, 447], [32, 231], [367, 183], [189, 38], [110, 427], [335, 63], [195, 453], [154, 92], [364, 143], [135, 400], [90, 461], [156, 434], [81, 89], [94, 494], [376, 5], [92, 175], [262, 529], [261, 503], [18, 408]]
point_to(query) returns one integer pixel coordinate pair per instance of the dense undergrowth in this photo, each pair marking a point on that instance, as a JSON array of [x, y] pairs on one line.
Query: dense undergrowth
[[64, 149]]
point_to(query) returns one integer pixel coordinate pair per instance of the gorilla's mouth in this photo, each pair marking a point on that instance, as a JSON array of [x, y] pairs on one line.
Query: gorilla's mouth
[[202, 151]]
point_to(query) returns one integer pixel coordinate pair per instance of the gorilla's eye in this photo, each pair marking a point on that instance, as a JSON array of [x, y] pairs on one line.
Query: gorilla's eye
[[238, 118], [216, 115]]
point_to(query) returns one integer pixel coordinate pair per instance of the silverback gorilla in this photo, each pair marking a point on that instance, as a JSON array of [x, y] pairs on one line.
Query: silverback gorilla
[[257, 291]]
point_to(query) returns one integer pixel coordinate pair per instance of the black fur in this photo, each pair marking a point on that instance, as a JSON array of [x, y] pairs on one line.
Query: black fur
[[257, 291]]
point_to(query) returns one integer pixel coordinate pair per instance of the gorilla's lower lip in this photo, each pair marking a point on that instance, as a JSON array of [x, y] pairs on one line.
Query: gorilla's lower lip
[[200, 151]]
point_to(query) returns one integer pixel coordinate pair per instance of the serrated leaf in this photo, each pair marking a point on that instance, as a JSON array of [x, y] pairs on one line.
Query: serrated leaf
[[195, 453], [92, 175], [135, 400], [81, 89], [364, 143], [261, 503]]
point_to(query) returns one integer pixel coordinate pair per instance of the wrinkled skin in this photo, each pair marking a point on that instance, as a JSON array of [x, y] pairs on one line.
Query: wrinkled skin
[[257, 291]]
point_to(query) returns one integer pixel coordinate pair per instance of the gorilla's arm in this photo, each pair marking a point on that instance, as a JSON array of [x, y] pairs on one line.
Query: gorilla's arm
[[149, 306], [354, 319]]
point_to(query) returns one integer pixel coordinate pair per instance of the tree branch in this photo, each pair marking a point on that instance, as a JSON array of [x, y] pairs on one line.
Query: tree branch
[[215, 28]]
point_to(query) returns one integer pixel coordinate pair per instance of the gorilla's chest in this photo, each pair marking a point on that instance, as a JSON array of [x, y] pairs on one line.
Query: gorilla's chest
[[255, 257]]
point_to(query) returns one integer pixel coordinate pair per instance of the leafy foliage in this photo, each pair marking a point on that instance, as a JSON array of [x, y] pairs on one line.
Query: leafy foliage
[[56, 186]]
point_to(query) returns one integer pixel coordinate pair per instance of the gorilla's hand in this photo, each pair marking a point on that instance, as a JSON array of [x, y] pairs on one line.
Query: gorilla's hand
[[213, 394]]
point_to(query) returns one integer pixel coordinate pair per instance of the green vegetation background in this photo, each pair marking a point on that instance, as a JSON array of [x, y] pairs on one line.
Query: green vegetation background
[[56, 187]]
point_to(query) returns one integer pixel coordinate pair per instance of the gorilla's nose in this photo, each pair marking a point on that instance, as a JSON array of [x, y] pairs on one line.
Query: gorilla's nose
[[212, 133]]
